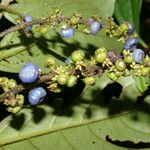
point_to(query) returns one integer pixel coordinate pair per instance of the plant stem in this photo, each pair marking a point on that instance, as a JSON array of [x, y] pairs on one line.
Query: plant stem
[[11, 10]]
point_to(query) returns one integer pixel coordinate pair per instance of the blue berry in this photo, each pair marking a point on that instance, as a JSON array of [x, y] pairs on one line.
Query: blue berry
[[130, 28], [29, 73], [67, 33], [36, 95], [130, 44], [68, 60], [138, 55], [28, 19], [95, 26]]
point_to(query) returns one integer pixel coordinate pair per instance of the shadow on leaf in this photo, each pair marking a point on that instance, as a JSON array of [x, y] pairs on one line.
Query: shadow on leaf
[[17, 121]]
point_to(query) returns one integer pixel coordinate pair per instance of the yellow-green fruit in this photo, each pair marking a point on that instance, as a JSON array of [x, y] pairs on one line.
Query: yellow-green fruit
[[145, 71], [77, 55], [112, 76], [100, 55], [120, 65], [89, 80], [12, 83], [128, 59], [50, 61], [20, 99], [124, 27], [63, 78], [14, 110], [44, 29], [72, 81]]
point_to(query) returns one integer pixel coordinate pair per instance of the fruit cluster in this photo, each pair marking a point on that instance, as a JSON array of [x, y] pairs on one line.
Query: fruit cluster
[[67, 25], [132, 60]]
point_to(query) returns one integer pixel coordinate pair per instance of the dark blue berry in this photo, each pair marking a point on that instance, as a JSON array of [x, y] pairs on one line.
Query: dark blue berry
[[130, 44], [67, 33], [28, 73], [130, 28], [36, 95], [138, 55], [28, 19], [68, 60], [95, 26]]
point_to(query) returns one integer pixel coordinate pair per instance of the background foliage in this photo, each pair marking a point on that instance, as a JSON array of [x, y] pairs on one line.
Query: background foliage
[[89, 118]]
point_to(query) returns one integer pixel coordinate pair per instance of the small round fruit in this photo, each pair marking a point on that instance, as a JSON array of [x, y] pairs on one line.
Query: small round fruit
[[95, 26], [28, 73], [12, 83], [67, 33], [120, 65], [14, 110], [77, 55], [130, 44], [20, 99], [138, 55], [68, 60], [112, 76], [72, 81], [89, 80], [100, 55], [36, 95], [28, 19], [128, 59], [50, 61], [145, 71], [63, 78]]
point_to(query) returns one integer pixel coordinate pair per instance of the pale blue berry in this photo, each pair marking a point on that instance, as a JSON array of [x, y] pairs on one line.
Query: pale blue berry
[[95, 26], [130, 44], [68, 60], [138, 55], [36, 95], [28, 19], [28, 73], [67, 33]]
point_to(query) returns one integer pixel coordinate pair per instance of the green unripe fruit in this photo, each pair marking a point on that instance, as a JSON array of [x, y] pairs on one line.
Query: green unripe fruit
[[126, 72], [89, 80], [72, 81], [147, 61], [4, 81], [54, 88], [74, 21], [145, 71], [100, 55], [63, 78], [16, 109], [50, 62], [44, 29], [12, 83], [112, 76], [118, 73], [124, 27], [20, 99], [77, 55], [120, 65], [128, 59]]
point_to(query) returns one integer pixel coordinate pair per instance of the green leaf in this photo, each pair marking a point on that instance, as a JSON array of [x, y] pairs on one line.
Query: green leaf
[[89, 122], [128, 10], [142, 83], [16, 49]]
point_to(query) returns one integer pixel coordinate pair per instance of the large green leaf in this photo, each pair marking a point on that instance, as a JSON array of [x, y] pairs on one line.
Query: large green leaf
[[17, 49], [89, 122], [128, 10]]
